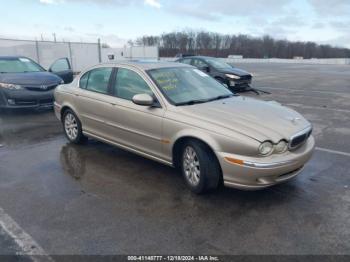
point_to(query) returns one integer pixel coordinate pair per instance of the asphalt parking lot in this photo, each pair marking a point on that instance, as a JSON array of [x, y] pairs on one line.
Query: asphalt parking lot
[[98, 199]]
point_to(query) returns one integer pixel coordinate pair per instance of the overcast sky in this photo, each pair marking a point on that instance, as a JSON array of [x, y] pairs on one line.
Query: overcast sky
[[116, 21]]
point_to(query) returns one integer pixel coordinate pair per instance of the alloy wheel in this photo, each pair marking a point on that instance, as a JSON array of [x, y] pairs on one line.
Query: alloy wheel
[[191, 166], [71, 126]]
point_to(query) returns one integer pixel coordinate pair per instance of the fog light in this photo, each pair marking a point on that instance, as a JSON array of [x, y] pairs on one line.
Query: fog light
[[11, 102]]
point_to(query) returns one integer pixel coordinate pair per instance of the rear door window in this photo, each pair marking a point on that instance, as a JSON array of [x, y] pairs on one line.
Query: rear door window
[[97, 80]]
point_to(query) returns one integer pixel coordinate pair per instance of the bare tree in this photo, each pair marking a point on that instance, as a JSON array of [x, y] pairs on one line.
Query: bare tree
[[219, 45]]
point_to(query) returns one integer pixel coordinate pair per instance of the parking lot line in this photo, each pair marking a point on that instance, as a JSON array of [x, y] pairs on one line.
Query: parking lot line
[[317, 107], [333, 151], [26, 243], [303, 90]]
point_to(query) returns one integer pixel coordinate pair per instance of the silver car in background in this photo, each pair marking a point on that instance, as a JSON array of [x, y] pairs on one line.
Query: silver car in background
[[178, 115]]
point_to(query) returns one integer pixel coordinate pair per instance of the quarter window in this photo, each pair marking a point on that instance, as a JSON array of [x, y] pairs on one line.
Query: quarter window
[[97, 80], [83, 80], [128, 83]]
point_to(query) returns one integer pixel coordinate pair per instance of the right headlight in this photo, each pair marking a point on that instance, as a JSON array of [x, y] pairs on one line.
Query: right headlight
[[266, 148], [10, 86], [232, 76]]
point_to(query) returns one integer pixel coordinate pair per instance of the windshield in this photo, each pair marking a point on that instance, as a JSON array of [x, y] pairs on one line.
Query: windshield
[[18, 65], [186, 85], [217, 63]]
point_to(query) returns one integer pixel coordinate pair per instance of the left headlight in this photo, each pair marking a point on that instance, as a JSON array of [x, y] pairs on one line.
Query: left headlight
[[266, 148], [281, 147], [232, 76], [10, 86]]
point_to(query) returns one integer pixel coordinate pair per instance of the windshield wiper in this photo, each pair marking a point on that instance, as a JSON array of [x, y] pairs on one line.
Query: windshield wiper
[[192, 102], [220, 97]]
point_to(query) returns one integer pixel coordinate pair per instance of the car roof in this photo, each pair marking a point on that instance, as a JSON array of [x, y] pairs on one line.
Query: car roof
[[11, 57], [196, 56], [147, 65]]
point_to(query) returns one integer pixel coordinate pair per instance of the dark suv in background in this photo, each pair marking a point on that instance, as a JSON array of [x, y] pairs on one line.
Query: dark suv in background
[[236, 79], [26, 84]]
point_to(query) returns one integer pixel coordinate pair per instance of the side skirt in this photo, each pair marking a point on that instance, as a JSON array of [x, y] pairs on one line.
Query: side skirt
[[129, 149]]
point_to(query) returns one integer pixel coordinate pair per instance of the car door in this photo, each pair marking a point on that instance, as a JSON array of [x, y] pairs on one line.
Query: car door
[[135, 126], [92, 100], [62, 68]]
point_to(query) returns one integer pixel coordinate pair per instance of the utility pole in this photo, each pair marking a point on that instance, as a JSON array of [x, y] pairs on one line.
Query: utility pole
[[99, 52], [54, 37]]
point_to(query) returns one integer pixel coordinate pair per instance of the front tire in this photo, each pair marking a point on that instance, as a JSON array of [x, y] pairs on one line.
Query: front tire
[[200, 167], [72, 127]]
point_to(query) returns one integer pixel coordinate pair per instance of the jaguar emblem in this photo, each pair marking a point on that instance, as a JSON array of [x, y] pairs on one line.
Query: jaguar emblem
[[294, 120]]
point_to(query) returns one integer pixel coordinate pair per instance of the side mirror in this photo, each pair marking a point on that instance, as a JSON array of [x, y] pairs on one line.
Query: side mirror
[[143, 100]]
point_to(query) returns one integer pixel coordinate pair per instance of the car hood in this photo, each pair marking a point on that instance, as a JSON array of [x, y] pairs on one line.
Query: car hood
[[30, 79], [235, 71], [259, 120]]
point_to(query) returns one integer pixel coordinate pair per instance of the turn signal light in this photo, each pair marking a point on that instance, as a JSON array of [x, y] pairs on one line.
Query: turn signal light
[[234, 161]]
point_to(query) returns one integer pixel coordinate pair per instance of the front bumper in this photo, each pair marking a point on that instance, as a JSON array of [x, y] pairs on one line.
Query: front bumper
[[239, 83], [257, 173], [57, 109], [13, 99]]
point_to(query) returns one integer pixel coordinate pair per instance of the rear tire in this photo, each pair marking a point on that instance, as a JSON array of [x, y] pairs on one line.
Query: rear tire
[[199, 167], [72, 127]]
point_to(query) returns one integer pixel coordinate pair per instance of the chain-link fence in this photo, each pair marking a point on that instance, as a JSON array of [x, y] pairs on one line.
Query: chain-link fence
[[81, 55]]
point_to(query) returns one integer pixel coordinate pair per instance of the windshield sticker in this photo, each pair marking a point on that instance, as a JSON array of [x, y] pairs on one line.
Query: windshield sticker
[[167, 80], [26, 60], [199, 72]]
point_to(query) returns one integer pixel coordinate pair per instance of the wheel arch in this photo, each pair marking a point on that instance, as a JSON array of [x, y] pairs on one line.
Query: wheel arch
[[65, 107], [180, 141]]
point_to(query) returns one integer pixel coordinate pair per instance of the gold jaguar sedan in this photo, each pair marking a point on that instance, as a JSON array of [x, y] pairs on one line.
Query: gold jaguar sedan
[[176, 114]]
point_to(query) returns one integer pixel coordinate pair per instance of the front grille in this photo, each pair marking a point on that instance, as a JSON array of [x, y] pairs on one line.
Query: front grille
[[46, 101], [299, 139], [242, 82], [42, 88], [27, 102], [246, 77], [21, 102]]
